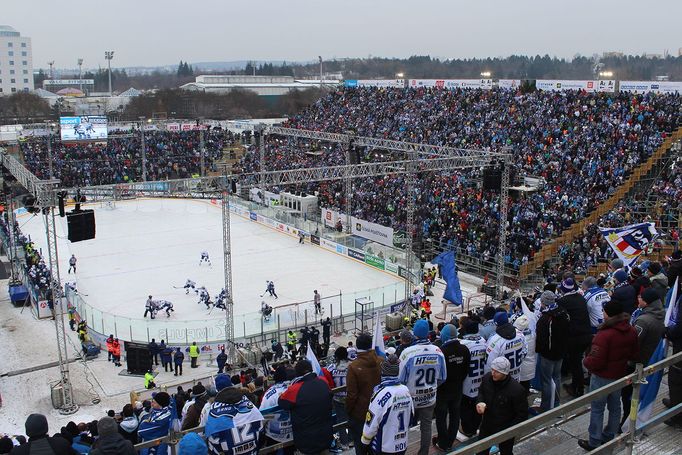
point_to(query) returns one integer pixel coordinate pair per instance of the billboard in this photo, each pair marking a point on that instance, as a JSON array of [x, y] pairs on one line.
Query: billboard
[[85, 128], [589, 86]]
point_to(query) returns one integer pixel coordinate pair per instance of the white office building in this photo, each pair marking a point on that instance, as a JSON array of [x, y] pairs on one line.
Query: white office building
[[16, 62]]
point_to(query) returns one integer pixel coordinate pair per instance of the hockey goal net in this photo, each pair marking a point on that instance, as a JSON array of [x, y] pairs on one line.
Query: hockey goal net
[[108, 205]]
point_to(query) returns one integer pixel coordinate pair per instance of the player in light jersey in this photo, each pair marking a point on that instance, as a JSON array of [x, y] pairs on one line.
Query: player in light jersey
[[469, 418], [390, 408], [205, 298], [596, 298], [204, 258], [422, 370], [506, 342], [189, 284], [278, 429]]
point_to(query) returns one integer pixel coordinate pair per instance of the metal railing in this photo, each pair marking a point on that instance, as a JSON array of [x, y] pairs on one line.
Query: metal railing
[[522, 431]]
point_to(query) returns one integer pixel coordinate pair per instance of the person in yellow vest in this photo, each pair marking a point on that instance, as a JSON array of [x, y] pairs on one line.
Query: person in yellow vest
[[194, 354], [149, 380], [291, 341]]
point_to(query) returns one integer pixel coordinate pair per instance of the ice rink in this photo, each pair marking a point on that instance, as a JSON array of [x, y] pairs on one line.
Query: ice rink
[[150, 246]]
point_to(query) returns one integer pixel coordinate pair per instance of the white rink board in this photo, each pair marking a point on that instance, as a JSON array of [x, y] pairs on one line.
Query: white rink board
[[147, 246]]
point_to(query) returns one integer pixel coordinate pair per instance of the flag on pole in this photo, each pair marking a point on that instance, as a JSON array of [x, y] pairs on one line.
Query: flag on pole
[[629, 242], [378, 338], [310, 355], [671, 314], [649, 390], [453, 291]]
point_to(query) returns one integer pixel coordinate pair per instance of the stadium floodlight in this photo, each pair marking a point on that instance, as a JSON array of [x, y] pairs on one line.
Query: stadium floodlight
[[400, 75], [109, 55], [606, 74], [80, 74], [486, 74]]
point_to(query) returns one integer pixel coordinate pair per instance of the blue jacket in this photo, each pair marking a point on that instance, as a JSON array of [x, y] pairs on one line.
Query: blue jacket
[[166, 354], [178, 357], [154, 425], [153, 348]]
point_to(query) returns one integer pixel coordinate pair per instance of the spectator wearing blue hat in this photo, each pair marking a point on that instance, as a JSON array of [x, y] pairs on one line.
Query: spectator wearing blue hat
[[623, 292], [422, 370], [506, 342], [449, 395]]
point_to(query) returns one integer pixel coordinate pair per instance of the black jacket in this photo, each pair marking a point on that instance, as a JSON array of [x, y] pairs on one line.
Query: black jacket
[[309, 400], [45, 446], [221, 360], [128, 428], [506, 403], [112, 444], [551, 334], [579, 326], [626, 295], [674, 271], [457, 357]]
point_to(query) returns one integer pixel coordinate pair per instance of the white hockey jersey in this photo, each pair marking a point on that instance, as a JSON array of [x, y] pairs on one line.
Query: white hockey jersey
[[388, 418], [478, 349], [422, 370], [596, 299], [279, 426], [339, 371], [512, 346]]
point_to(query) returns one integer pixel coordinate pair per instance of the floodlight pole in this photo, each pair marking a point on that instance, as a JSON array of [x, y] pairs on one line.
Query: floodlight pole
[[504, 211], [144, 150], [259, 133], [348, 182], [227, 270], [202, 150], [49, 149]]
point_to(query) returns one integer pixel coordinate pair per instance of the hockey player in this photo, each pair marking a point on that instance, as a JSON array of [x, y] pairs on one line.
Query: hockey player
[[72, 263], [390, 409], [204, 258], [506, 342], [318, 302], [166, 305], [149, 307], [266, 310], [301, 238], [189, 284], [220, 301], [205, 298], [271, 290]]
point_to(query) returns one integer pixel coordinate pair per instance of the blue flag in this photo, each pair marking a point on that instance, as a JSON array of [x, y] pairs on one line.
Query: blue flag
[[453, 292]]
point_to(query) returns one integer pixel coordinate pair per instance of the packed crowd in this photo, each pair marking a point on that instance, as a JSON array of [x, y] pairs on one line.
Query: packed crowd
[[583, 145], [169, 155], [473, 375]]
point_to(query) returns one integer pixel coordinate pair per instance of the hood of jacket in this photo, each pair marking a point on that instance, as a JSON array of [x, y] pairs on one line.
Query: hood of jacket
[[366, 358], [230, 395], [113, 444], [506, 331], [655, 310], [620, 323], [129, 424], [661, 279]]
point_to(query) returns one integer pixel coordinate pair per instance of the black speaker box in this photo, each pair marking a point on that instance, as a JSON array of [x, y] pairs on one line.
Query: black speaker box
[[492, 179], [81, 225], [138, 358]]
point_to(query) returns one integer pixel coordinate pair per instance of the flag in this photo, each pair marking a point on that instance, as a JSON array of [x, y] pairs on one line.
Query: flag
[[671, 314], [453, 292], [378, 338], [649, 390], [174, 418], [629, 242], [532, 320], [310, 355]]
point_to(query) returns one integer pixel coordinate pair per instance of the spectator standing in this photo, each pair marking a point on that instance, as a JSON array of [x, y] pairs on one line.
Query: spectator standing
[[471, 420], [178, 357], [422, 370], [327, 331], [387, 425], [449, 393], [156, 424], [527, 374], [167, 358], [192, 416], [221, 359], [364, 373], [194, 354], [406, 340], [579, 334], [154, 351], [109, 441], [614, 345], [278, 429], [488, 327], [234, 424], [506, 342], [623, 292], [38, 440], [596, 297], [339, 372], [674, 335], [551, 346], [675, 270], [309, 400], [659, 282], [501, 402]]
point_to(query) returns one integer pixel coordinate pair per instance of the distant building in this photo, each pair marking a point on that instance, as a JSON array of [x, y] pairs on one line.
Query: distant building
[[612, 54], [16, 62], [262, 85], [85, 86]]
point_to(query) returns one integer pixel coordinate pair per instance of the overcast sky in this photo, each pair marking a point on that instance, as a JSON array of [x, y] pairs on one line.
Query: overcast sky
[[156, 32]]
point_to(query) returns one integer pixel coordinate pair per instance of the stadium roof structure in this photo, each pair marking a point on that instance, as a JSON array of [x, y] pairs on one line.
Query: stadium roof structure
[[41, 92], [131, 92]]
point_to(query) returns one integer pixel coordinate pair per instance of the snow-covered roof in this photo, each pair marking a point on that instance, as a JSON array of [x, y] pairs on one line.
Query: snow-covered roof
[[132, 91]]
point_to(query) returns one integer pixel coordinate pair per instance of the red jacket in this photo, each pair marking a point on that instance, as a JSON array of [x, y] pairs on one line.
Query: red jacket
[[612, 347]]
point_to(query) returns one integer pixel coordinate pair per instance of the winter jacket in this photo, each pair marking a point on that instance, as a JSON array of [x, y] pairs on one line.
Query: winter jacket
[[457, 358], [56, 445], [167, 355], [193, 414], [614, 345], [529, 363], [278, 426], [506, 403], [110, 343], [309, 400], [674, 272], [178, 357], [487, 329], [507, 342], [156, 424], [364, 373], [221, 360], [552, 333], [234, 425], [626, 295], [128, 428], [674, 335], [659, 283], [579, 327], [112, 444], [116, 349], [153, 348], [650, 329]]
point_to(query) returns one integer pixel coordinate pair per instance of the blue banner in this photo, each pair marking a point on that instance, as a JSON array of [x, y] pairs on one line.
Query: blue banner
[[453, 291]]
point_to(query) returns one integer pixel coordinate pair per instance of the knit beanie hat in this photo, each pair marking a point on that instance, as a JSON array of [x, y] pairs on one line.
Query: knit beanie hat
[[6, 445], [501, 318], [364, 341], [501, 364], [421, 329], [568, 285], [222, 381], [470, 327], [162, 398], [107, 426], [36, 425], [522, 322], [198, 389], [192, 444], [489, 312], [613, 308], [620, 276], [547, 298], [655, 268], [390, 366], [649, 295], [448, 333]]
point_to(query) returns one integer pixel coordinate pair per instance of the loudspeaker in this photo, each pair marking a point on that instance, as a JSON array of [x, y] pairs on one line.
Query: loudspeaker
[[492, 179], [354, 156], [81, 225], [138, 358]]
